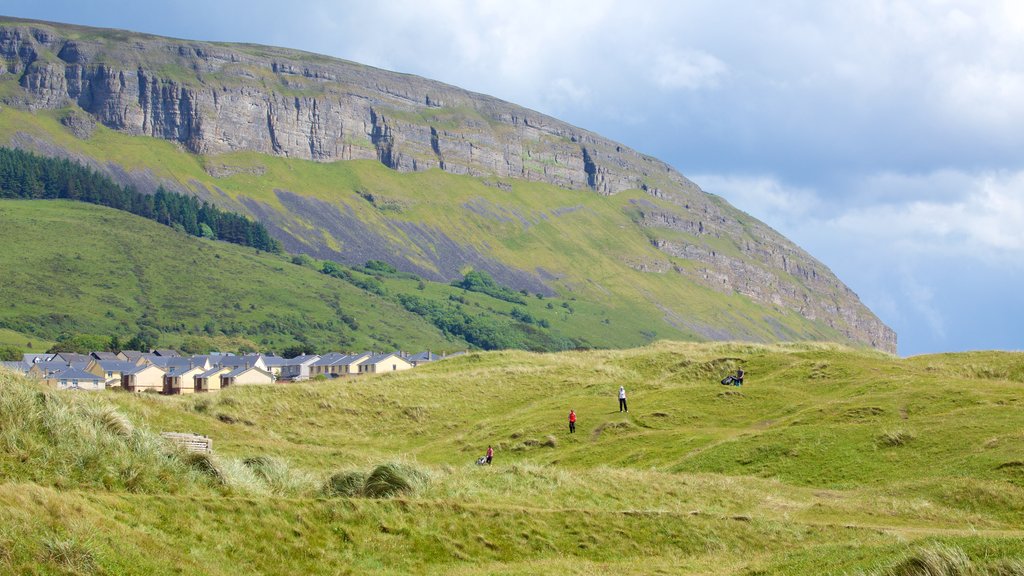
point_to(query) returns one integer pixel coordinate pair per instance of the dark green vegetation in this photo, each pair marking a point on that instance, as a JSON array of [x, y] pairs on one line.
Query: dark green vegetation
[[827, 461], [27, 176], [92, 278]]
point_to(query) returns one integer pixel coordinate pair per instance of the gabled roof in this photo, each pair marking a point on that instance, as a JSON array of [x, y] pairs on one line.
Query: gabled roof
[[215, 371], [143, 367], [71, 357], [239, 371], [237, 361], [19, 367], [380, 358], [179, 370], [115, 365], [427, 356], [30, 358], [166, 352], [75, 374], [274, 361], [54, 366], [132, 355], [168, 362], [305, 358], [103, 355]]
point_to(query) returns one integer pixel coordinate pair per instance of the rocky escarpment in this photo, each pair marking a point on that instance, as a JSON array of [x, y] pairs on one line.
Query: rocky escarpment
[[218, 98], [214, 98], [764, 267]]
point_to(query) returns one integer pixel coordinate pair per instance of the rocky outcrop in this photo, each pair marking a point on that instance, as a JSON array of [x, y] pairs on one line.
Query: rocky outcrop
[[218, 98]]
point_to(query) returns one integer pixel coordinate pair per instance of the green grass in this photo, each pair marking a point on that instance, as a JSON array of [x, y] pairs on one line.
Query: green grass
[[99, 271], [587, 243], [790, 474]]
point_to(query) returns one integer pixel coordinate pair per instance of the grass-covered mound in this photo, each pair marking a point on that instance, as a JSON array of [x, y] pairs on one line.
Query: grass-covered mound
[[827, 460]]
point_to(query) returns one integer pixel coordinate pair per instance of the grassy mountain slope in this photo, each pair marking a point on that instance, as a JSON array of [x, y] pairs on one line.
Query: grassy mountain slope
[[73, 267], [587, 246], [828, 460], [80, 268]]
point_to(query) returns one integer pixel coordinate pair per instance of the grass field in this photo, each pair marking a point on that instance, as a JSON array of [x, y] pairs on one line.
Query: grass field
[[827, 461]]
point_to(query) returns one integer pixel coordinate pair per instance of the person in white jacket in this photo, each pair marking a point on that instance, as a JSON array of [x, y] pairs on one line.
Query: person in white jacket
[[622, 399]]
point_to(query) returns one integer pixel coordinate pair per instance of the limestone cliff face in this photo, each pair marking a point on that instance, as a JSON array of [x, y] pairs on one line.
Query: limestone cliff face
[[217, 98]]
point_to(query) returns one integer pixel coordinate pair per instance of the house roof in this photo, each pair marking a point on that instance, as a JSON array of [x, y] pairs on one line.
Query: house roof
[[115, 365], [237, 361], [216, 370], [377, 359], [166, 352], [54, 366], [169, 362], [103, 355], [132, 355], [19, 367], [71, 357], [305, 358], [76, 374], [239, 371], [427, 356], [144, 367], [29, 358], [274, 361], [184, 369]]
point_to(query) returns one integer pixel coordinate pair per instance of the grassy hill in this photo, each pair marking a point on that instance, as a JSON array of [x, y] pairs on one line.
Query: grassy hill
[[827, 461], [588, 248], [79, 268]]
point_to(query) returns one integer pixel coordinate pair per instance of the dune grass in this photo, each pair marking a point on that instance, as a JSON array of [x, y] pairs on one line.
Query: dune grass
[[827, 460]]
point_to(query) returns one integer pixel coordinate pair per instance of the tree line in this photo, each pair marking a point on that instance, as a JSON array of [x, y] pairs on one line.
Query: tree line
[[28, 176]]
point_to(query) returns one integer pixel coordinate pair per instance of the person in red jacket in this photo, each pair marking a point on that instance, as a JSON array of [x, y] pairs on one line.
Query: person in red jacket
[[490, 454], [572, 421]]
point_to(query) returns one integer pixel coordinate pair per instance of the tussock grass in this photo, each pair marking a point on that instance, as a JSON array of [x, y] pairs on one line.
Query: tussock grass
[[71, 554], [894, 438], [279, 477], [936, 560], [393, 479], [347, 484]]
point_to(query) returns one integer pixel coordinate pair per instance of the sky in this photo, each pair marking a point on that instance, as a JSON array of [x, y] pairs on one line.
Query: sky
[[885, 138]]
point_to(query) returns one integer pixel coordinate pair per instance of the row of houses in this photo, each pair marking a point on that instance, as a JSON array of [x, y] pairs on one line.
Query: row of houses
[[168, 372]]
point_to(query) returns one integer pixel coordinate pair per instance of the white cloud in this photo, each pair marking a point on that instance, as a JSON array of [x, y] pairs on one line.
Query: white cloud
[[689, 70], [764, 197], [985, 222]]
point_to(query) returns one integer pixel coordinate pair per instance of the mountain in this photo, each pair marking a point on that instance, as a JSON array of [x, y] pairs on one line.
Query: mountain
[[301, 142]]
